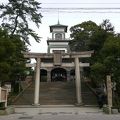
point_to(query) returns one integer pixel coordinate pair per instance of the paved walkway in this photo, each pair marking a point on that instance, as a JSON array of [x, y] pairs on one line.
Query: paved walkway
[[59, 113]]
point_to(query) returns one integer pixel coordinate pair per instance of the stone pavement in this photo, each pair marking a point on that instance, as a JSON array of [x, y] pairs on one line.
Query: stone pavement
[[59, 113]]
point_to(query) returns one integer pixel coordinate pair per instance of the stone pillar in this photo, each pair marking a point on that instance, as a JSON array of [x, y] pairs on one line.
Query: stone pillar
[[78, 81], [53, 36], [48, 76], [37, 82], [109, 93]]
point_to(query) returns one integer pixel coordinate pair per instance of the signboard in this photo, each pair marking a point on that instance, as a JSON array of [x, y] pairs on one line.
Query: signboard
[[57, 58]]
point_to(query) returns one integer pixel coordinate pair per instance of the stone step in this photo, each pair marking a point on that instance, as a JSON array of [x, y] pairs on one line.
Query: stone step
[[54, 93]]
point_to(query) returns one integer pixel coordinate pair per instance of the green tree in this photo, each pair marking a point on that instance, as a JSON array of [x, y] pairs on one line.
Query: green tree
[[98, 73], [81, 35], [111, 57], [17, 14], [12, 61], [6, 49], [92, 37], [107, 26], [106, 45], [16, 17]]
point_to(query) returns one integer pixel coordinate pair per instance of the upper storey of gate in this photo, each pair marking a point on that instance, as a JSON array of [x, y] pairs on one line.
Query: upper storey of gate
[[58, 42], [58, 31]]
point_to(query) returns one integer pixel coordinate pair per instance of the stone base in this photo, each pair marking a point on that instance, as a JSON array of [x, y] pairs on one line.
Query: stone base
[[79, 104], [114, 111], [36, 105], [8, 110]]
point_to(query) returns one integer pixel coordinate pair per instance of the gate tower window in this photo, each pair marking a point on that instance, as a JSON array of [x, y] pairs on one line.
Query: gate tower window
[[58, 36]]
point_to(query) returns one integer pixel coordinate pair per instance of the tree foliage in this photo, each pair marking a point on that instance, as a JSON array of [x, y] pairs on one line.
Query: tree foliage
[[16, 16], [89, 36], [81, 35], [12, 61], [106, 45]]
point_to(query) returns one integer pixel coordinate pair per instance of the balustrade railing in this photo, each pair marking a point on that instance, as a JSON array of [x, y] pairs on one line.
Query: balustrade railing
[[58, 39]]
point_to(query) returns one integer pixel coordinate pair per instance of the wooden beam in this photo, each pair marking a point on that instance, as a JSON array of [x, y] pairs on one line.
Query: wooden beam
[[64, 55], [62, 65]]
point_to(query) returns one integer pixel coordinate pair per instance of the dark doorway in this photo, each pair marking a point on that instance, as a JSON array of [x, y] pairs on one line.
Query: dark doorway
[[72, 74], [59, 74], [43, 75]]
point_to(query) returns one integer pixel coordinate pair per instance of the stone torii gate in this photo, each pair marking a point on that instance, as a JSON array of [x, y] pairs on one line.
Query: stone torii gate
[[75, 56]]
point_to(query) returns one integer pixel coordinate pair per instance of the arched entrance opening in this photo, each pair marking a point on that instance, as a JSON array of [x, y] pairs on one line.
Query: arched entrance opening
[[59, 74], [43, 75], [72, 74]]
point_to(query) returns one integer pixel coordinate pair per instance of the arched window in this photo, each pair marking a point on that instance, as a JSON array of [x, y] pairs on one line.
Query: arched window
[[58, 36]]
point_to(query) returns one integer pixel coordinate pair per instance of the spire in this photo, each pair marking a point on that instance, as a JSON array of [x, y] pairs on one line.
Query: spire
[[58, 17], [58, 22]]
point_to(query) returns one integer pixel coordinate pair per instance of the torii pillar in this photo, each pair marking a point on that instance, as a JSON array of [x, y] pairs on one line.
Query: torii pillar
[[78, 81], [37, 82]]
